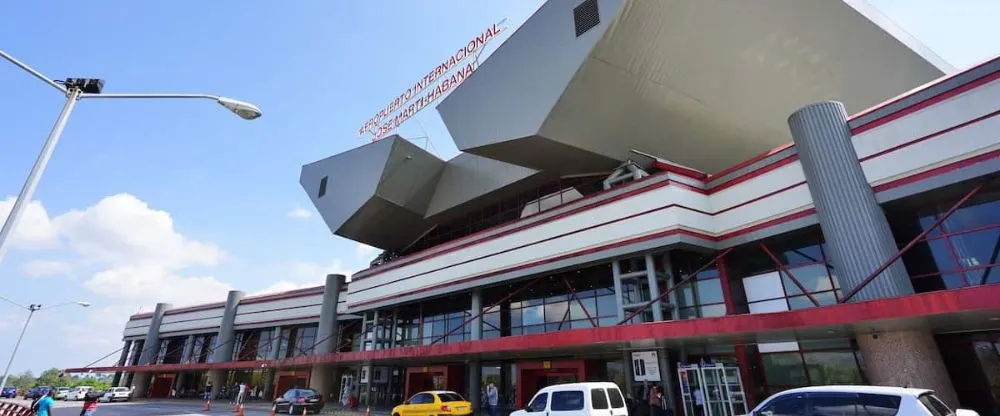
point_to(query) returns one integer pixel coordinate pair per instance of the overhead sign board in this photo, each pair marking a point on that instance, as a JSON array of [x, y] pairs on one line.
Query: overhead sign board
[[431, 86], [645, 366]]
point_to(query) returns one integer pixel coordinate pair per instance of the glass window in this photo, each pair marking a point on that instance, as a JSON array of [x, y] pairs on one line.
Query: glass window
[[802, 255], [617, 402], [577, 312], [878, 404], [607, 305], [787, 405], [934, 405], [709, 291], [450, 397], [814, 278], [833, 404], [422, 398], [567, 400], [556, 312], [539, 403], [598, 399], [712, 311], [974, 216], [532, 315], [784, 369]]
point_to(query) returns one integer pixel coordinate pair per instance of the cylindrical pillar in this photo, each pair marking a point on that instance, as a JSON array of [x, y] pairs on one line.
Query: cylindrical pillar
[[224, 341], [186, 357], [320, 378], [474, 385], [121, 362], [151, 346], [476, 325], [858, 238], [654, 288]]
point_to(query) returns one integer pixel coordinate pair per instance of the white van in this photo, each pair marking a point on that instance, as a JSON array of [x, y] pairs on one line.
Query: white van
[[79, 393], [577, 399]]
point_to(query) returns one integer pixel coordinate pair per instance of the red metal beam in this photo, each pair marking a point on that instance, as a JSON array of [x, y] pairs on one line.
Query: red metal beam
[[783, 270], [951, 303], [572, 292], [923, 234], [674, 287], [488, 308]]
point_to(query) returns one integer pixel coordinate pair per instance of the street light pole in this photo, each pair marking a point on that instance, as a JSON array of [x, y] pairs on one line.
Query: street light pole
[[75, 91], [28, 190], [31, 312], [6, 372]]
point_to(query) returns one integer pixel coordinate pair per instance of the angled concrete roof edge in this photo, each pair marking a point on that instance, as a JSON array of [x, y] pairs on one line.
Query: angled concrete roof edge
[[875, 15]]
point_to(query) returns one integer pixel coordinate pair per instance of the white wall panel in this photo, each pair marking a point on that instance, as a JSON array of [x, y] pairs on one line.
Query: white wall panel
[[138, 331], [278, 315], [295, 302], [196, 315], [757, 186], [134, 323], [193, 324]]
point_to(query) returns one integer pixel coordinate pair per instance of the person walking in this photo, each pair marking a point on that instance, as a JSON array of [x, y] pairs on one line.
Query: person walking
[[208, 395], [492, 398], [655, 396], [89, 404], [44, 405]]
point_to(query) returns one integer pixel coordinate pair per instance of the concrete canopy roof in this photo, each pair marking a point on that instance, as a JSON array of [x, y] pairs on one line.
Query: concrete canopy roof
[[704, 83], [389, 193]]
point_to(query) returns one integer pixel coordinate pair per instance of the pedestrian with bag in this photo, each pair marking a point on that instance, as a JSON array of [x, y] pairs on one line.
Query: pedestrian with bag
[[43, 407], [89, 404]]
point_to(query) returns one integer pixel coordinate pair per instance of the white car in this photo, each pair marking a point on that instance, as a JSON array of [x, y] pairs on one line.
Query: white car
[[79, 393], [117, 394], [577, 399], [61, 393], [859, 400]]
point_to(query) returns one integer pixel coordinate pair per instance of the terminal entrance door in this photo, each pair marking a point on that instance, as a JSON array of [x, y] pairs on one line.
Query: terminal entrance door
[[711, 390]]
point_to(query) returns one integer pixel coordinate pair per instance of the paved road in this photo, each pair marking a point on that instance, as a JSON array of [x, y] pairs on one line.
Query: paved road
[[145, 409]]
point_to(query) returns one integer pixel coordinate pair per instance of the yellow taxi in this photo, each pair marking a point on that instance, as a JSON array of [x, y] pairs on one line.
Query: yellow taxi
[[432, 403]]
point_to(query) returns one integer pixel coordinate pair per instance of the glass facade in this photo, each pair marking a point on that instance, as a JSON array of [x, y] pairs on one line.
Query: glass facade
[[297, 341], [963, 251], [254, 344], [814, 362]]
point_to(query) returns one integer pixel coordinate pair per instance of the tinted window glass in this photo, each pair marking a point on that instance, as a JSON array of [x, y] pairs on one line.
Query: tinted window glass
[[422, 398], [599, 399], [788, 405], [617, 401], [878, 405], [538, 403], [934, 405], [305, 393], [450, 397], [567, 400], [833, 404]]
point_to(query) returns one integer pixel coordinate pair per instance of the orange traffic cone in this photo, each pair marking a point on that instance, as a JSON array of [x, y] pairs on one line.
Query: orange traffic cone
[[368, 411], [239, 411], [274, 410], [208, 405], [305, 411]]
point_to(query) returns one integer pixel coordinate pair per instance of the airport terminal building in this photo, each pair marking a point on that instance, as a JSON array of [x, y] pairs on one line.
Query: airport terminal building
[[727, 199]]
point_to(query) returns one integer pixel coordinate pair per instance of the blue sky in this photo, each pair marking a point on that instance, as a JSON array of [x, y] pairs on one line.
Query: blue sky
[[181, 201]]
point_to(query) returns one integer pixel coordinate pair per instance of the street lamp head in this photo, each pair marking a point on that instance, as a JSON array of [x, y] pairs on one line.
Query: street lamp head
[[243, 109], [84, 304]]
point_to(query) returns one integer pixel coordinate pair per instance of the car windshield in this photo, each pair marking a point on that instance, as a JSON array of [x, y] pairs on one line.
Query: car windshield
[[304, 393], [450, 397]]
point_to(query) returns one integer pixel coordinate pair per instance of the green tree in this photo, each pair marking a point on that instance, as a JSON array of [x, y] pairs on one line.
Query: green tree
[[51, 377]]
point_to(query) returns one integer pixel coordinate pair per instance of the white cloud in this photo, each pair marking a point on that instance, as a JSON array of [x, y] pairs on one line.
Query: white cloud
[[365, 250], [299, 214], [35, 230], [305, 274], [45, 268]]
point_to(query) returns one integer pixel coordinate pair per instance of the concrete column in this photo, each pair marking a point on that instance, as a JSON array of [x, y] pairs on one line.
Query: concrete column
[[476, 326], [326, 334], [121, 362], [629, 373], [666, 376], [188, 349], [224, 341], [673, 297], [616, 275], [151, 346], [654, 287], [474, 385], [859, 240], [906, 359]]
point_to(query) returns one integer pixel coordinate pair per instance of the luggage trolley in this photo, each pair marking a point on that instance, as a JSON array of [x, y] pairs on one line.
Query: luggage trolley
[[717, 387]]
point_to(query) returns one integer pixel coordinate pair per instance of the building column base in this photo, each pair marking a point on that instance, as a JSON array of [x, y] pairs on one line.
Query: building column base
[[218, 380], [474, 385], [319, 380], [906, 359], [140, 384]]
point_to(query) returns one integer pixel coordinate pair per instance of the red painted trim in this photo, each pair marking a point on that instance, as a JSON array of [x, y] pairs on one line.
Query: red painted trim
[[751, 175], [930, 136], [751, 161], [925, 103], [419, 256], [945, 302], [937, 171], [680, 170]]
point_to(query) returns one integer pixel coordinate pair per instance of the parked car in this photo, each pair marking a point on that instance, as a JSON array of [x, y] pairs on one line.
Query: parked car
[[115, 394], [79, 393], [860, 400], [8, 393], [434, 402], [61, 393], [37, 392], [577, 399], [295, 400]]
